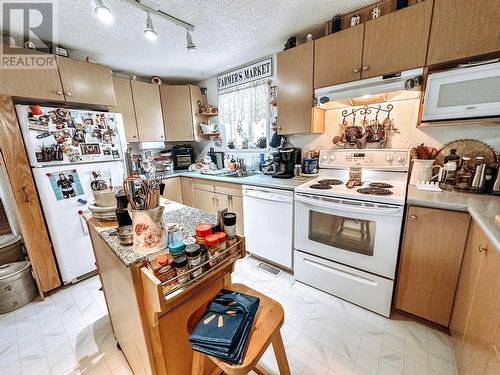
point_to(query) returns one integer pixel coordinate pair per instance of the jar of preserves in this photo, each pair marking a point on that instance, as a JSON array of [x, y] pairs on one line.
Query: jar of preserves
[[182, 268], [193, 254]]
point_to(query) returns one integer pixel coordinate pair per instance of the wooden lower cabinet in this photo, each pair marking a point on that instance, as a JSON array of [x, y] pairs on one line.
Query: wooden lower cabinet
[[205, 200], [187, 191], [233, 204], [476, 314], [429, 268], [211, 195], [173, 189]]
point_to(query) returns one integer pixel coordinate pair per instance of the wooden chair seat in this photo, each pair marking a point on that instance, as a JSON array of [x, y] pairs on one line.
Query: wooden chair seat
[[266, 330]]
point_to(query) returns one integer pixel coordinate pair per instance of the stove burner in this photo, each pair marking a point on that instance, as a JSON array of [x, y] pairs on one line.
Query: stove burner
[[330, 182], [320, 186], [374, 191], [381, 185]]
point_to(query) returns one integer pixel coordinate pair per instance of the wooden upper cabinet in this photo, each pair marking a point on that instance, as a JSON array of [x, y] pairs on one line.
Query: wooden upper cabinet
[[337, 57], [85, 82], [295, 90], [476, 315], [32, 83], [397, 41], [125, 106], [432, 252], [177, 112], [147, 106], [463, 28], [180, 106]]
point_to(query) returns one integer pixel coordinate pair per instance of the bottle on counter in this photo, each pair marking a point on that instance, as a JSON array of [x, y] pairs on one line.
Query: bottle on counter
[[222, 239], [174, 233], [464, 175]]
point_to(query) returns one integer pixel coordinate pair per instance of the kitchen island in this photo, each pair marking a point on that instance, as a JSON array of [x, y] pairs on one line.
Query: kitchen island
[[150, 325]]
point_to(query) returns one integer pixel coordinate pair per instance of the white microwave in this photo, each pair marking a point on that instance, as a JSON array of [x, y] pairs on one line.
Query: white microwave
[[464, 93]]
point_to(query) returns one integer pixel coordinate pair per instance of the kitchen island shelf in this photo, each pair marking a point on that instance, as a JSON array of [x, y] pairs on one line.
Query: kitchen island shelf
[[166, 297]]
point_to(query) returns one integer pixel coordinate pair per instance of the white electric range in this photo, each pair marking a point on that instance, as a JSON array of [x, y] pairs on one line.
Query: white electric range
[[347, 239]]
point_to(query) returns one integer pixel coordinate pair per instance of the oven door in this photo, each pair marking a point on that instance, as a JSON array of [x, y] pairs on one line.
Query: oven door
[[359, 234]]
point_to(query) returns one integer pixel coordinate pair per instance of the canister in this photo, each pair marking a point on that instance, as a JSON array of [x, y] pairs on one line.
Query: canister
[[17, 286]]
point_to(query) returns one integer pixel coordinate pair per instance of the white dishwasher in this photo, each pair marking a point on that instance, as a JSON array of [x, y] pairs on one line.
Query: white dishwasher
[[268, 217]]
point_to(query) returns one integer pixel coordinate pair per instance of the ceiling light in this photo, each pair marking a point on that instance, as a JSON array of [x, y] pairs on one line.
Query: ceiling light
[[103, 12], [149, 31], [190, 46]]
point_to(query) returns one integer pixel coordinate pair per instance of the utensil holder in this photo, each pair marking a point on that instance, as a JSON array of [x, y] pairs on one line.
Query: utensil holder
[[149, 232], [421, 170]]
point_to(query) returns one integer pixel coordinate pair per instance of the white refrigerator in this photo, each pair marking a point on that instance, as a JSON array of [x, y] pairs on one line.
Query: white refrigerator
[[66, 148]]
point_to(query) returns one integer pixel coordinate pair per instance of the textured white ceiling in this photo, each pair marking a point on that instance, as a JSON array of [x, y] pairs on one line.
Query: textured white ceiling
[[227, 33]]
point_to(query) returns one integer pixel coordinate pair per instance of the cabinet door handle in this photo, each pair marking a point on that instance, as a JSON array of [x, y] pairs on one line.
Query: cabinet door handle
[[413, 217], [356, 70], [68, 93], [483, 249], [59, 92], [161, 136], [26, 196], [365, 68]]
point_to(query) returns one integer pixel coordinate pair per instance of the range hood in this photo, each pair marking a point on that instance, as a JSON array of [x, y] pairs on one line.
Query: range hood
[[406, 80]]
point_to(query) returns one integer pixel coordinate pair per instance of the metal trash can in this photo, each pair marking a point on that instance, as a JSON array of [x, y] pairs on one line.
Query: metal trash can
[[17, 286], [11, 249]]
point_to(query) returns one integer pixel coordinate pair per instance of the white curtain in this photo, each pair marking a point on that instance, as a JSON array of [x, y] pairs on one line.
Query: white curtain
[[244, 114]]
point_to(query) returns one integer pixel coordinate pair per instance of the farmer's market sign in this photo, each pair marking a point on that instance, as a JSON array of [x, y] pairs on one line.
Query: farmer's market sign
[[245, 74]]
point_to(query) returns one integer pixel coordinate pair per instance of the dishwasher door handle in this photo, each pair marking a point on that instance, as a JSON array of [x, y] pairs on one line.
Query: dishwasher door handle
[[268, 196]]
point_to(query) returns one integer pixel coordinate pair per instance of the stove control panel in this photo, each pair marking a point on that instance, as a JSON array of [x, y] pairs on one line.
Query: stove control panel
[[382, 159]]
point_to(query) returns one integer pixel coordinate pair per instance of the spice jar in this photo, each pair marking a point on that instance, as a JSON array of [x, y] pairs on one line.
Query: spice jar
[[221, 237], [212, 243], [182, 266], [202, 231], [162, 267], [230, 228], [176, 249], [194, 259]]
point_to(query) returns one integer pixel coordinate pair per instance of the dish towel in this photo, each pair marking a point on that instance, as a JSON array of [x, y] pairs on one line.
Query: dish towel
[[224, 329]]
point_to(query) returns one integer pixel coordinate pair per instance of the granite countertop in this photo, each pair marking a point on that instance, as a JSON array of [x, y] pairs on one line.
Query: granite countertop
[[484, 209], [255, 180], [187, 217]]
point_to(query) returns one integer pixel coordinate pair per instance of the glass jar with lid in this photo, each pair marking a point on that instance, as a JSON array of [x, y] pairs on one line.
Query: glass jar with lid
[[464, 174]]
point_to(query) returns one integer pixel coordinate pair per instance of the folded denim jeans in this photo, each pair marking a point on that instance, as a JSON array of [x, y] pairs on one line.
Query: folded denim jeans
[[236, 311]]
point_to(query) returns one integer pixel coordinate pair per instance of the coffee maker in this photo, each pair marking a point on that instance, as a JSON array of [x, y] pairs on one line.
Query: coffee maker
[[285, 160]]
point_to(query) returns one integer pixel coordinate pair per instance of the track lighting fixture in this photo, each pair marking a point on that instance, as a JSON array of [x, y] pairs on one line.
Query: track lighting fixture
[[103, 12], [190, 46], [149, 31]]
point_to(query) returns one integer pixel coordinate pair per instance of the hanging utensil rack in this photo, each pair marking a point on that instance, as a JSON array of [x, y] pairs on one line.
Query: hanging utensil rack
[[366, 110]]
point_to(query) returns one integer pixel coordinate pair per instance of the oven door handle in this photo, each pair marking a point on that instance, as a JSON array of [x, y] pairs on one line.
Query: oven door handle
[[325, 202]]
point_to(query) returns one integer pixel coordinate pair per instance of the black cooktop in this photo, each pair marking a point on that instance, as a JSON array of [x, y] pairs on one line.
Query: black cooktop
[[381, 185], [330, 182]]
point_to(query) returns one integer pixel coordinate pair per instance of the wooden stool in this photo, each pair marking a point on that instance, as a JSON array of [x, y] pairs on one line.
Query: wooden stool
[[266, 330]]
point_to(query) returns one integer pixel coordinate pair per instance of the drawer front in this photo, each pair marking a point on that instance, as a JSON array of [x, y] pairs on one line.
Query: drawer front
[[362, 288], [205, 185], [228, 189]]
